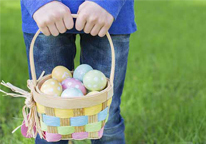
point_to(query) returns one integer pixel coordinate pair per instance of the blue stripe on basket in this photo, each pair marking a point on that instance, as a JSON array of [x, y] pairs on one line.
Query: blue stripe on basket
[[79, 121], [103, 114], [51, 120]]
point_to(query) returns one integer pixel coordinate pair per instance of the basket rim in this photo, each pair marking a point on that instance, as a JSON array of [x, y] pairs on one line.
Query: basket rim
[[71, 103]]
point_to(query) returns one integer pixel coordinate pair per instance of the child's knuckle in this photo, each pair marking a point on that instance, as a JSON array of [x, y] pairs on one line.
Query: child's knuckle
[[84, 15], [56, 16], [48, 22], [101, 22], [45, 33], [63, 11], [41, 24], [92, 19]]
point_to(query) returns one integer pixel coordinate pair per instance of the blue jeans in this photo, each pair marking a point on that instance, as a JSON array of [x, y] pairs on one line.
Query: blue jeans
[[95, 51]]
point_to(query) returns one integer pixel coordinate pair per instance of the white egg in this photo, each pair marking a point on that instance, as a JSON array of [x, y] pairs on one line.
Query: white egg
[[72, 92]]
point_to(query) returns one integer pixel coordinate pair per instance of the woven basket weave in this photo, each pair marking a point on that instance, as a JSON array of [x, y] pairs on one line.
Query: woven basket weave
[[72, 118]]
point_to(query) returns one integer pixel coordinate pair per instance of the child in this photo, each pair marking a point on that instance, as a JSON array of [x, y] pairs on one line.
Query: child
[[95, 18]]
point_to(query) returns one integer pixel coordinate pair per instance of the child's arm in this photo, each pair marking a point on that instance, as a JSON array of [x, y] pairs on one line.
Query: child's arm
[[52, 17], [96, 16]]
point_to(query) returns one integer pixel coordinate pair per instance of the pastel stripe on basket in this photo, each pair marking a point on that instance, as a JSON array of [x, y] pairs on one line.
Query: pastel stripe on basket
[[52, 137], [40, 108], [43, 126], [51, 120], [79, 121], [68, 113], [93, 110], [103, 114], [93, 127], [80, 135], [109, 101], [65, 130], [100, 133], [62, 113]]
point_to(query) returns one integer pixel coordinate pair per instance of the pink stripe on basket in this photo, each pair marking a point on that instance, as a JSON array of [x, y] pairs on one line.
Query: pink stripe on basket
[[100, 133], [52, 137], [80, 135]]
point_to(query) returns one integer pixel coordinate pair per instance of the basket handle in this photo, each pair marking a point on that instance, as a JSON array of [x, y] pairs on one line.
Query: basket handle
[[31, 56]]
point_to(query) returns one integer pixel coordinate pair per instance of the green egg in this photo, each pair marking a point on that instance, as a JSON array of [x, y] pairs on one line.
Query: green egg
[[95, 80]]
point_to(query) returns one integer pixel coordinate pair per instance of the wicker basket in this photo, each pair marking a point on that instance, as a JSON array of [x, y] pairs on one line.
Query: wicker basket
[[72, 118]]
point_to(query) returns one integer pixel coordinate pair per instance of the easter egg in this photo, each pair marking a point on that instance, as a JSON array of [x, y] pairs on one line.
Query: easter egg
[[60, 73], [51, 87], [72, 92], [81, 70], [92, 92], [94, 80], [73, 83]]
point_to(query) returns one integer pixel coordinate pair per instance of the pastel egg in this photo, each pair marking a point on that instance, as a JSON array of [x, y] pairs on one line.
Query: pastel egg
[[73, 83], [71, 92], [94, 80], [81, 70], [92, 92], [60, 73], [51, 87]]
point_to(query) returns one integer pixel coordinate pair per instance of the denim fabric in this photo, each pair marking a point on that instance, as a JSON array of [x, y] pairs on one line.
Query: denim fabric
[[52, 51]]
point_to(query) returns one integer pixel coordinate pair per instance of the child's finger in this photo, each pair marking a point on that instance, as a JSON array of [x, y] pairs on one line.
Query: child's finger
[[45, 31], [103, 31], [96, 29], [81, 7], [88, 27], [53, 29], [81, 21], [68, 20], [60, 26]]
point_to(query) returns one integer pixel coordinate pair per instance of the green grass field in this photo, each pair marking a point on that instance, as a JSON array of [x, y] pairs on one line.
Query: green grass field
[[164, 97]]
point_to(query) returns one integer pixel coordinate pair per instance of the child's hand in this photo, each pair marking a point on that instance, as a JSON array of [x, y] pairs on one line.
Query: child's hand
[[93, 19], [53, 18]]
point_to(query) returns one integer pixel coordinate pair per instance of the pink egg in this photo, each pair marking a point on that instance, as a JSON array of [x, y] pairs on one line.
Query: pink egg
[[73, 83]]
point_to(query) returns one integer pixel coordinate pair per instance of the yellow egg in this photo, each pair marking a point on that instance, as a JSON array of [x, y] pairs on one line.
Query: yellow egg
[[51, 87], [60, 73], [92, 92]]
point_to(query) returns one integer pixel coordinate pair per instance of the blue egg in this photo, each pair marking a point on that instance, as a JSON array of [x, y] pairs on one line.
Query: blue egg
[[81, 70], [72, 92]]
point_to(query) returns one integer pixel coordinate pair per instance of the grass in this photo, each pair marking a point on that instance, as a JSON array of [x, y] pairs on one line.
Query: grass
[[164, 96]]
